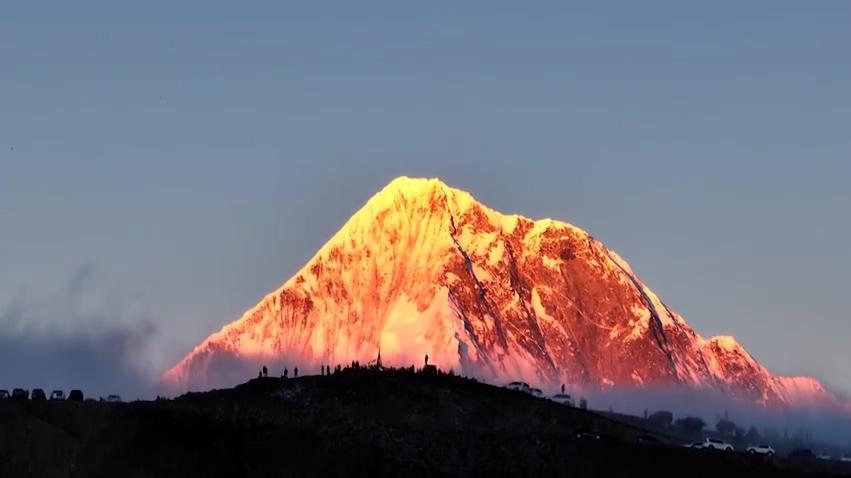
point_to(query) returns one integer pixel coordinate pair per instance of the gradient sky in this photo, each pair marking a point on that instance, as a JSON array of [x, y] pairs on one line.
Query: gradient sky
[[164, 166]]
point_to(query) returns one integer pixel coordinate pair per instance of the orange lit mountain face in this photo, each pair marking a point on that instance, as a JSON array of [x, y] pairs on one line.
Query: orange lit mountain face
[[424, 268]]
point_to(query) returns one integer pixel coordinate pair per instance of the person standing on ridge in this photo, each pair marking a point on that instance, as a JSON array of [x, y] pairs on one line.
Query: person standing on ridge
[[295, 372], [265, 371], [426, 359]]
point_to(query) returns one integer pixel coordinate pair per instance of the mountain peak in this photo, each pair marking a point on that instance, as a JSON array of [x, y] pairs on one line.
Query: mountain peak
[[410, 187], [421, 189], [412, 184], [424, 268]]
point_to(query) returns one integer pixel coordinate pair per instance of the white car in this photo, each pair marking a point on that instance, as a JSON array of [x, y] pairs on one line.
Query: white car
[[563, 399], [536, 392], [519, 386], [713, 444], [761, 450], [698, 445], [846, 459], [823, 456]]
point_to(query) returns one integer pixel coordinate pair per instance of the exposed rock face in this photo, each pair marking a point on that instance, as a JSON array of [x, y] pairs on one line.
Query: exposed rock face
[[424, 268]]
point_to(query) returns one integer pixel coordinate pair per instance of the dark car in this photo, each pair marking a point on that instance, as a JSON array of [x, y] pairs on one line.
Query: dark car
[[4, 394], [584, 434], [20, 394], [649, 440], [38, 394], [799, 455], [75, 396]]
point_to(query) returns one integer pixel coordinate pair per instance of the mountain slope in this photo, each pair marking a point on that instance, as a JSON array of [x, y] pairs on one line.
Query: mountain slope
[[424, 268]]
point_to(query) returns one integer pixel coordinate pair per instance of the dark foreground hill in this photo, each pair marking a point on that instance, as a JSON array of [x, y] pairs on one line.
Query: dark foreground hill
[[355, 423]]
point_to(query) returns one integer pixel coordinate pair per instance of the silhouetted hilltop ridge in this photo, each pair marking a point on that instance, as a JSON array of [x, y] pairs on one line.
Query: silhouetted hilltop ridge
[[366, 422]]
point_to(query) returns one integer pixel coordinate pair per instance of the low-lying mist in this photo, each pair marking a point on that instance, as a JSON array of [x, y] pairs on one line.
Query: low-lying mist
[[89, 337], [819, 424]]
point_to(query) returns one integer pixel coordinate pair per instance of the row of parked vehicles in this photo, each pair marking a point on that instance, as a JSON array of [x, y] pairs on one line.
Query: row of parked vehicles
[[766, 450], [39, 394], [805, 454], [720, 445]]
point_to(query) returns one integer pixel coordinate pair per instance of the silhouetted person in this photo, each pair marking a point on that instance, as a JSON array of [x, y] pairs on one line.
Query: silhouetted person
[[286, 372], [295, 372], [260, 373], [265, 371], [562, 389], [426, 359]]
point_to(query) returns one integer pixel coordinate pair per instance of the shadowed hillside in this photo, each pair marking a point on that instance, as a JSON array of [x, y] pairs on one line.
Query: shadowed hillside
[[361, 422]]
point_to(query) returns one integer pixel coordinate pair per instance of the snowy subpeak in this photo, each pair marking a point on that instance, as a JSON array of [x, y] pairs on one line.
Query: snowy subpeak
[[423, 268]]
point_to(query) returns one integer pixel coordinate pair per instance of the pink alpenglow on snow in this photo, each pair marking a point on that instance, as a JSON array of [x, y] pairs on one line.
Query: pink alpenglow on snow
[[424, 268]]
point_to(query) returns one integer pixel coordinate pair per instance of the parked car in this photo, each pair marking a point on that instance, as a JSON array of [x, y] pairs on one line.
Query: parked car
[[801, 454], [563, 399], [846, 459], [38, 394], [4, 394], [714, 444], [519, 386], [824, 456], [694, 444], [113, 398], [761, 450], [75, 396], [57, 395], [536, 392], [20, 394], [587, 435]]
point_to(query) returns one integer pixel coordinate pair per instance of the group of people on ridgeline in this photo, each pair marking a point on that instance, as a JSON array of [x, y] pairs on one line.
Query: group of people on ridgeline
[[264, 372], [325, 369]]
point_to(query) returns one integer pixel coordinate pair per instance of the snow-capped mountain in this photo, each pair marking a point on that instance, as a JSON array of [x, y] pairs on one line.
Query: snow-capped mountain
[[424, 268]]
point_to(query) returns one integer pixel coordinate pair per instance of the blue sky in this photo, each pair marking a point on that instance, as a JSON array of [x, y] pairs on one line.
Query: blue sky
[[168, 165]]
